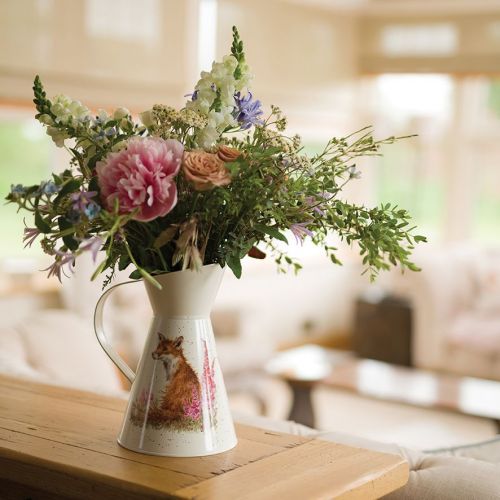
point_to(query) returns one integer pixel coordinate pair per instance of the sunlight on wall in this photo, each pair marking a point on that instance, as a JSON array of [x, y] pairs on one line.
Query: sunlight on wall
[[207, 34], [408, 95], [127, 20]]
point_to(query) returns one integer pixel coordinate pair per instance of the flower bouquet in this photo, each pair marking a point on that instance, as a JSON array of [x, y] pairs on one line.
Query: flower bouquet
[[210, 183]]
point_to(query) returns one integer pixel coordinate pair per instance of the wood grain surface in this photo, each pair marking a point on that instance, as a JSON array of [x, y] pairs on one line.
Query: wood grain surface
[[60, 443]]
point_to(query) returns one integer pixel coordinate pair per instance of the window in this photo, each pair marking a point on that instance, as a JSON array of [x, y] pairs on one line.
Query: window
[[434, 40], [25, 159], [448, 176], [411, 172]]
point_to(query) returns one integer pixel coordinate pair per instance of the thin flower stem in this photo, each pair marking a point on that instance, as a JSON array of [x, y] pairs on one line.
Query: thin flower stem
[[163, 261], [143, 272]]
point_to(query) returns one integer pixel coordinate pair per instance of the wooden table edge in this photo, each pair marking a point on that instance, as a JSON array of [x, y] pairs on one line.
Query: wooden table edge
[[398, 471]]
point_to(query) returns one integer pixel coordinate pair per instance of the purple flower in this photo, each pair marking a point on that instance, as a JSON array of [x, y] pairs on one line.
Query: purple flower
[[311, 201], [248, 112], [81, 199], [300, 231], [30, 235], [93, 244], [62, 259], [193, 96]]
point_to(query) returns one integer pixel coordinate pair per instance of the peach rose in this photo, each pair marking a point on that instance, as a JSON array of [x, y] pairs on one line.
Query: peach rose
[[227, 154], [205, 170]]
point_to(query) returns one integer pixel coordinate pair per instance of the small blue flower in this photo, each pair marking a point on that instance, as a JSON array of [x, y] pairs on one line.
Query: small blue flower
[[92, 210], [17, 189], [100, 136], [354, 173], [50, 188], [248, 112], [84, 120]]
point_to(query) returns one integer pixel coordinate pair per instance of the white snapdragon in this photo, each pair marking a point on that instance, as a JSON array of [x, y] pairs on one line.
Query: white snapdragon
[[207, 136], [46, 119], [120, 113], [57, 135], [68, 111], [102, 116], [219, 82], [147, 118], [245, 79]]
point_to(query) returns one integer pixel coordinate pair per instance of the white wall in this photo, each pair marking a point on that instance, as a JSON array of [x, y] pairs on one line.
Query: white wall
[[303, 59], [104, 52]]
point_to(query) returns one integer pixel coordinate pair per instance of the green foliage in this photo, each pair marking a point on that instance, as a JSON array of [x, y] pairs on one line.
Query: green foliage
[[42, 104], [275, 187], [237, 52]]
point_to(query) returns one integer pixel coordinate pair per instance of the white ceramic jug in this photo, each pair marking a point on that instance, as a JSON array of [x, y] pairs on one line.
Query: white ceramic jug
[[178, 403]]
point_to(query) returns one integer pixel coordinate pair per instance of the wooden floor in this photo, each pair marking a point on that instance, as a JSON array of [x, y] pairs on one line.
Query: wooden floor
[[60, 443]]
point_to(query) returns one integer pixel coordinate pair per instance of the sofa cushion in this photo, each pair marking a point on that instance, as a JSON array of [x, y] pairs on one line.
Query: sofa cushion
[[438, 476], [57, 347], [477, 331], [487, 451]]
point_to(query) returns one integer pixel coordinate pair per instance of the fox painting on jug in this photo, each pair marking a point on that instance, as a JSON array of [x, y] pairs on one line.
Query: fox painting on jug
[[179, 405]]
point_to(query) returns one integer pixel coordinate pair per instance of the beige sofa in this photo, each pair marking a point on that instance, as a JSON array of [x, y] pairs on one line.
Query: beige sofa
[[456, 310]]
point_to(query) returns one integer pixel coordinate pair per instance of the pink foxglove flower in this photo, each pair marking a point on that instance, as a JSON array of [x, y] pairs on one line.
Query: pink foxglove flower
[[141, 176], [192, 408], [209, 375]]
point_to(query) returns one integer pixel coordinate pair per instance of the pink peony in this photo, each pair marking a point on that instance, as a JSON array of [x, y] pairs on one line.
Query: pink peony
[[141, 176]]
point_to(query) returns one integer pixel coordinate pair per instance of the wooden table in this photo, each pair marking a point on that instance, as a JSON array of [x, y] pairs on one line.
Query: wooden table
[[60, 443], [306, 366]]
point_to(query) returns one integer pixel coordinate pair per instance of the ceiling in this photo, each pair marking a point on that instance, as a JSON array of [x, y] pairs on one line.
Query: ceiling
[[387, 7]]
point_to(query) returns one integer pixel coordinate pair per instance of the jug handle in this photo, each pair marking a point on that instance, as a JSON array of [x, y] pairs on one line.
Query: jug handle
[[103, 339]]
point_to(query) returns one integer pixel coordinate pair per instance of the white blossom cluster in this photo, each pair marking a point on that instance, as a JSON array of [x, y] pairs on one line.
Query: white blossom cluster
[[218, 84], [68, 110]]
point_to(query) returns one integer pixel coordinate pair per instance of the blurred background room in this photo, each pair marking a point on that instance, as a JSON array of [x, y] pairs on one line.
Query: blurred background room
[[415, 67]]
